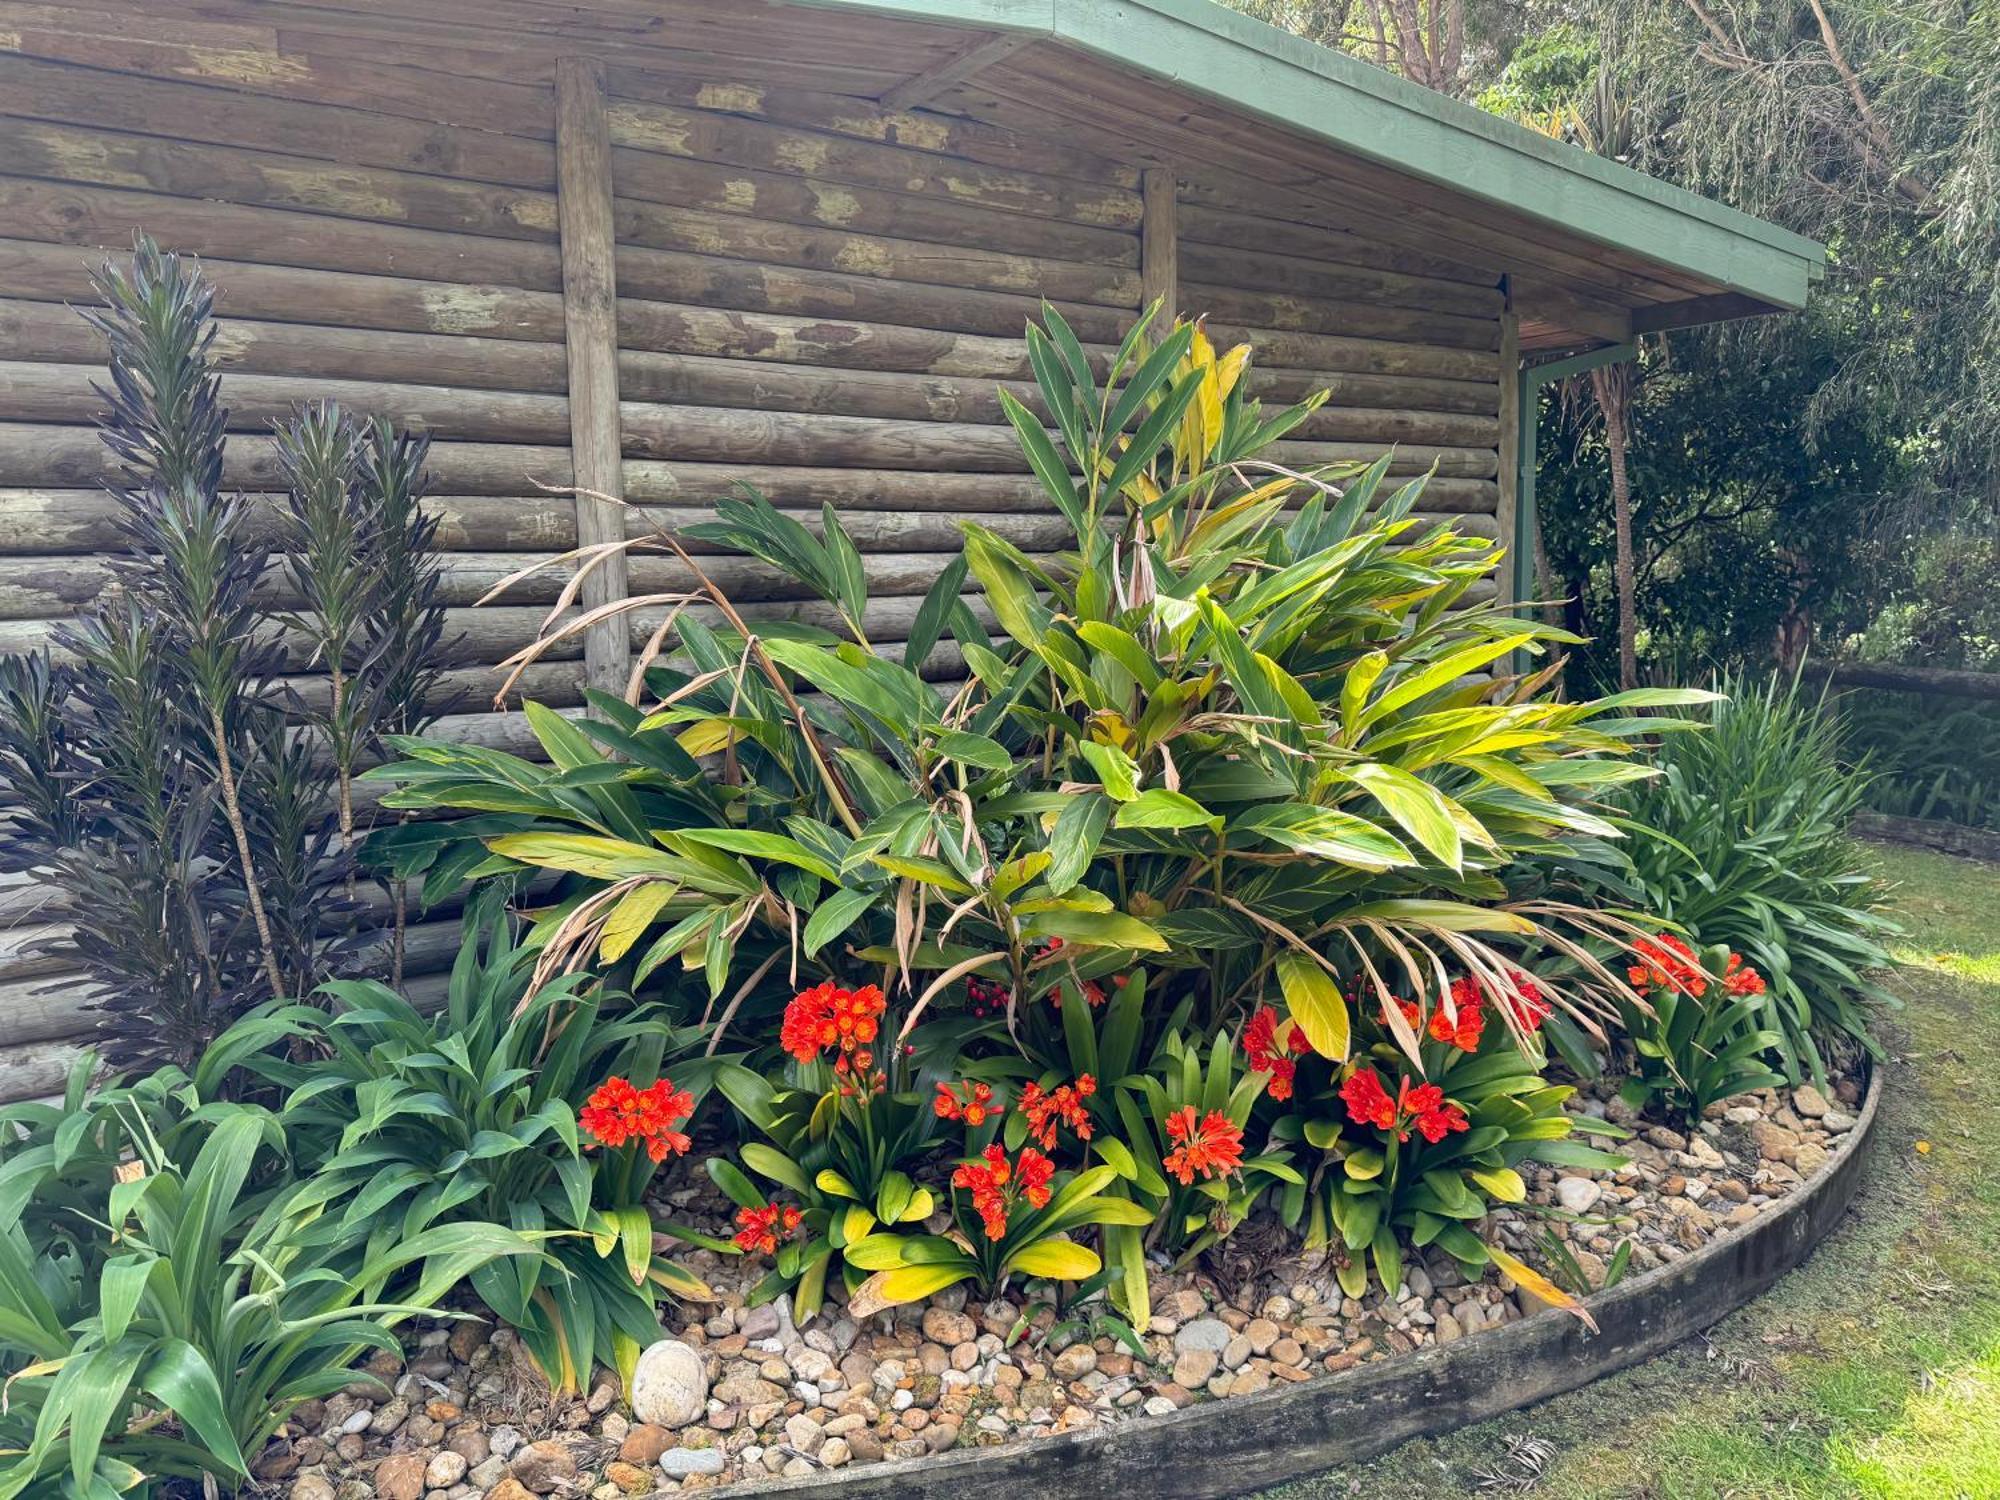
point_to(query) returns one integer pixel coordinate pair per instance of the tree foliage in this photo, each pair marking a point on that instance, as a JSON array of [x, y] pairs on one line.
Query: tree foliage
[[1874, 126]]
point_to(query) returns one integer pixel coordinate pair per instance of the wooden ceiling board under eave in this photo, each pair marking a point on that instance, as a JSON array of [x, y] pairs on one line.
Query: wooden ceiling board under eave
[[1049, 81]]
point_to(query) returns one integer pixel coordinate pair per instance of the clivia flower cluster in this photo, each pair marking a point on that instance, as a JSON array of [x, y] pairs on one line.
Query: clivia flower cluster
[[1093, 992], [1213, 1147], [1423, 1106], [997, 1185], [617, 1112], [846, 1022], [970, 1102], [1062, 1105], [1668, 963], [1268, 1054], [764, 1229], [1464, 1024]]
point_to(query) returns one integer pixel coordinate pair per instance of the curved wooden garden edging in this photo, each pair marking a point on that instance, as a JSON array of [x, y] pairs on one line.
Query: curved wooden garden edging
[[1244, 1443]]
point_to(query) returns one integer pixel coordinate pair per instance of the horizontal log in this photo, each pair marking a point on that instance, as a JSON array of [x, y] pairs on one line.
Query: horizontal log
[[1405, 459], [36, 1070], [748, 143], [42, 588], [655, 226], [75, 522], [49, 331], [270, 179], [840, 291], [247, 61], [1415, 392], [684, 328], [1204, 222], [480, 637], [86, 97], [808, 199], [37, 456], [1264, 271], [107, 218], [1353, 319], [297, 295], [1318, 351], [668, 482], [865, 120]]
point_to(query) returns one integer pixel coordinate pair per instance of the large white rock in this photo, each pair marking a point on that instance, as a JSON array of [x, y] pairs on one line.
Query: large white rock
[[1578, 1194], [670, 1386]]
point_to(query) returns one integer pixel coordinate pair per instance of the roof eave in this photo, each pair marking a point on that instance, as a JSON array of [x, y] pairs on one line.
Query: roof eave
[[1260, 71]]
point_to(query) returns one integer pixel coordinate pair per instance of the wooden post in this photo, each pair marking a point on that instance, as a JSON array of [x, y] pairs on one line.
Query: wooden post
[[590, 333], [1159, 247], [1511, 575]]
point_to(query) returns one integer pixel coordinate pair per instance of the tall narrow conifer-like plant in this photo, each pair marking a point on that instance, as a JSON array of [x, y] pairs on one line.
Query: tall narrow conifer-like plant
[[199, 572]]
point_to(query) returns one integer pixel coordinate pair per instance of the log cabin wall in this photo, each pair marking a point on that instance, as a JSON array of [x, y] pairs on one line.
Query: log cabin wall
[[816, 295]]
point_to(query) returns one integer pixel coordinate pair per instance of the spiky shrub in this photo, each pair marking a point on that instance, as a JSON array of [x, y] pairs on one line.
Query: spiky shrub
[[1743, 842], [154, 773]]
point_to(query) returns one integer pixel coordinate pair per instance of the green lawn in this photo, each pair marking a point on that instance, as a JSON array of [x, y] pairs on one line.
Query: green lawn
[[1872, 1371]]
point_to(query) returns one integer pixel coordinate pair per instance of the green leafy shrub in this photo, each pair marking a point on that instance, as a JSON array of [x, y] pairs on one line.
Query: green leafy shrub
[[1221, 729], [1419, 1154], [205, 1291], [1696, 1039], [1741, 842], [471, 1116], [1243, 725]]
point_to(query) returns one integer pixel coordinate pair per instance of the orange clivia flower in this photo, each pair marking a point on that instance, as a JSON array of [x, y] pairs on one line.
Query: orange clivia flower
[[1740, 979], [1668, 963], [969, 1102], [1433, 1114], [845, 1022], [998, 1185], [1063, 1105], [764, 1229], [1368, 1103], [1463, 1027], [1268, 1045], [1423, 1106], [986, 1179], [1213, 1147], [1525, 1002], [618, 1112]]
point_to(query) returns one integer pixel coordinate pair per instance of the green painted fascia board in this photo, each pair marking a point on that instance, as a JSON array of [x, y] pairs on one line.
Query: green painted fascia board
[[1259, 70]]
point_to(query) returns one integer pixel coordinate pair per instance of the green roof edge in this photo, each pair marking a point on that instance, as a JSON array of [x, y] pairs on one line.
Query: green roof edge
[[1262, 71]]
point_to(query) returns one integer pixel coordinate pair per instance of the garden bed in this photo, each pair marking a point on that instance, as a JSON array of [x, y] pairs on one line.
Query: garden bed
[[1250, 1378]]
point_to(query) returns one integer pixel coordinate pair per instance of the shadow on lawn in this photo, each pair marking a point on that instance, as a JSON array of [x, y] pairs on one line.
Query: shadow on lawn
[[1874, 1370]]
